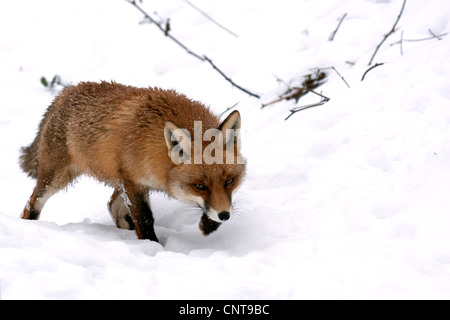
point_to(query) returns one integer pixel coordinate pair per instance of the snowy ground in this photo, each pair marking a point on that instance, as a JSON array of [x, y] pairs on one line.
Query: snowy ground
[[349, 200]]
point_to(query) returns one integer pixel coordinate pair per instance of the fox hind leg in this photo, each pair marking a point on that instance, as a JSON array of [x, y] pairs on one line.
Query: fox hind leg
[[48, 183], [35, 204], [42, 192], [119, 210]]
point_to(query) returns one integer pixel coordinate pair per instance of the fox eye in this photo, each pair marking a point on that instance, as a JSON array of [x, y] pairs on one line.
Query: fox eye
[[229, 182], [200, 186]]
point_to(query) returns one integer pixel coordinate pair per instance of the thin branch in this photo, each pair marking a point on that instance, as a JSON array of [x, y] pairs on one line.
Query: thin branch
[[341, 76], [435, 36], [311, 82], [228, 109], [373, 67], [401, 44], [389, 33], [165, 30], [331, 38], [229, 79], [335, 70], [439, 37], [295, 110], [211, 19], [297, 92], [325, 98]]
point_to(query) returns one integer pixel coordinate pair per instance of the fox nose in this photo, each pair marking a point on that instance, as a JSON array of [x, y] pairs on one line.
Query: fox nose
[[224, 215]]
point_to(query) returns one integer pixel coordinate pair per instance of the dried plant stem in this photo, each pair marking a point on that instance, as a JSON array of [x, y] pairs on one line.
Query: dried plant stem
[[207, 16], [308, 106], [166, 31], [373, 67], [331, 38], [433, 36], [389, 33]]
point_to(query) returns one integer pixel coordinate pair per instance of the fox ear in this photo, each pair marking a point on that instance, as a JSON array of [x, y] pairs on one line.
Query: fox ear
[[231, 130], [178, 143]]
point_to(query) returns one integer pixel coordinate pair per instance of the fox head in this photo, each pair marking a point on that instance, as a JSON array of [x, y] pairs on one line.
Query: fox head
[[207, 169]]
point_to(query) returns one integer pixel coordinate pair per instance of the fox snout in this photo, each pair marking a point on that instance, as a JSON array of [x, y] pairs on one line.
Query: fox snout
[[212, 220], [221, 216], [224, 215]]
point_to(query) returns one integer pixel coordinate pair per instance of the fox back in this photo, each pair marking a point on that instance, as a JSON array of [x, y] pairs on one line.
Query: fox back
[[125, 136]]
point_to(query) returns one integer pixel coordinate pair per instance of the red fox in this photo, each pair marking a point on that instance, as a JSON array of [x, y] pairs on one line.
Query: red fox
[[136, 140]]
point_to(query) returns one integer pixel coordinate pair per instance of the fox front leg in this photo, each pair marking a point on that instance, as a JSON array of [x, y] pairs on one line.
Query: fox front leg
[[137, 201]]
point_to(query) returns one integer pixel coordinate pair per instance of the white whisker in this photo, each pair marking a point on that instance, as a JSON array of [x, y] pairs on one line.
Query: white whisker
[[239, 204]]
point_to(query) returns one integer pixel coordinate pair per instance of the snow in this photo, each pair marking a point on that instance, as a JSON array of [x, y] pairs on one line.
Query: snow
[[348, 200]]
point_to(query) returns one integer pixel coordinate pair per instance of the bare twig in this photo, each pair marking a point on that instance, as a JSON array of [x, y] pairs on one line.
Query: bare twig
[[228, 109], [401, 44], [301, 108], [295, 93], [335, 70], [435, 36], [167, 28], [229, 79], [324, 98], [438, 37], [311, 82], [331, 38], [211, 19], [166, 31], [341, 76], [389, 33], [163, 30], [275, 101], [373, 67]]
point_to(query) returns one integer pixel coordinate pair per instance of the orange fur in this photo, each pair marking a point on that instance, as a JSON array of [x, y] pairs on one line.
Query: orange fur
[[115, 133]]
